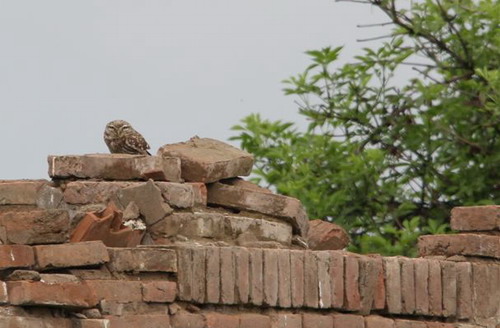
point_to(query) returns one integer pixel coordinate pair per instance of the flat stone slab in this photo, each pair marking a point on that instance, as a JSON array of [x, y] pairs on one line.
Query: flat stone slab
[[208, 160], [219, 226], [460, 244], [115, 167], [476, 218], [288, 208], [20, 192]]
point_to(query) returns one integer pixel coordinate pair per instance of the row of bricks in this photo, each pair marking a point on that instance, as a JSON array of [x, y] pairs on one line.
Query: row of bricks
[[85, 254], [339, 280], [219, 320]]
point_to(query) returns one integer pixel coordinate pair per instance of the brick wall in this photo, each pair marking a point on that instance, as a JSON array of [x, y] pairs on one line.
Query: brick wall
[[118, 241]]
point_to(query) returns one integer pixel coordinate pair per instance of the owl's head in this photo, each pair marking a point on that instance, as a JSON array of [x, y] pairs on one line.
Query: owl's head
[[118, 128]]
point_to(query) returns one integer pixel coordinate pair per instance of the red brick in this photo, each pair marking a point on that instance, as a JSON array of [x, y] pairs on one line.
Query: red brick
[[314, 320], [370, 271], [435, 288], [20, 192], [16, 256], [213, 274], [271, 277], [460, 244], [185, 273], [219, 320], [324, 281], [464, 290], [284, 274], [311, 292], [71, 255], [410, 324], [351, 278], [337, 279], [348, 320], [407, 286], [187, 320], [250, 320], [286, 320], [242, 261], [35, 226], [476, 218], [256, 278], [379, 297], [31, 322], [374, 321], [227, 275], [486, 287], [116, 290], [393, 284], [94, 192], [142, 321], [199, 192], [325, 235], [440, 325], [67, 294], [199, 275], [91, 323], [159, 291], [421, 286], [449, 273], [297, 277], [142, 259]]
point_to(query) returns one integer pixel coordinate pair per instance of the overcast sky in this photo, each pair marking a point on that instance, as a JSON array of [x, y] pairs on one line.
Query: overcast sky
[[173, 69]]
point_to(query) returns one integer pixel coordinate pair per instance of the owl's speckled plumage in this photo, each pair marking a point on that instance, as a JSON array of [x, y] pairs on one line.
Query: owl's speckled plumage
[[121, 138]]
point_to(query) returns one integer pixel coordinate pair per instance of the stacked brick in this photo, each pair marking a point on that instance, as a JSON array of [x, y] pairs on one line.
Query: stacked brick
[[217, 251]]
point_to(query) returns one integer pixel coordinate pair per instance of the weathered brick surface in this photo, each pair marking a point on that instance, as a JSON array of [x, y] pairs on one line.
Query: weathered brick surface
[[116, 290], [421, 286], [311, 282], [284, 274], [187, 320], [242, 266], [159, 291], [288, 208], [314, 320], [180, 195], [324, 235], [142, 259], [220, 320], [486, 289], [371, 284], [16, 256], [337, 279], [142, 321], [32, 322], [208, 160], [324, 279], [213, 274], [94, 192], [297, 277], [410, 324], [199, 275], [348, 320], [476, 218], [4, 297], [250, 320], [271, 277], [449, 276], [435, 288], [68, 294], [71, 255], [34, 226], [464, 290], [392, 270], [461, 244], [256, 276], [286, 320], [91, 323], [351, 278], [227, 274], [115, 167], [374, 321], [185, 273], [407, 286], [20, 192]]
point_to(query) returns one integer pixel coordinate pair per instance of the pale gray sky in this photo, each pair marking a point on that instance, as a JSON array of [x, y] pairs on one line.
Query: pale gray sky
[[173, 69]]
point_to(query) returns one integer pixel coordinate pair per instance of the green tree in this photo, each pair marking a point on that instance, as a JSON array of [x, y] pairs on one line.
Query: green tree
[[385, 159]]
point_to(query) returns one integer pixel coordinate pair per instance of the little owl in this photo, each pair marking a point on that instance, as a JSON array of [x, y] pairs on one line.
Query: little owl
[[121, 138]]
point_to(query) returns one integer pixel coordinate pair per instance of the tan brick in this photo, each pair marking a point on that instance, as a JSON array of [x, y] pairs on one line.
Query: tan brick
[[271, 277], [199, 275], [227, 275], [407, 286], [142, 259], [348, 320], [324, 281], [409, 324], [180, 195], [315, 320], [67, 294], [159, 291], [311, 292], [374, 321], [460, 244], [351, 278], [34, 226], [213, 274], [464, 290], [286, 320], [94, 192], [32, 322], [200, 193], [219, 320], [185, 273], [476, 218], [256, 276], [187, 320], [71, 255], [393, 284], [449, 274], [486, 289], [284, 274], [16, 256], [250, 320], [297, 277], [143, 321], [91, 323], [115, 167], [337, 279], [20, 192], [421, 286], [4, 297], [116, 290], [435, 288], [370, 271], [440, 325]]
